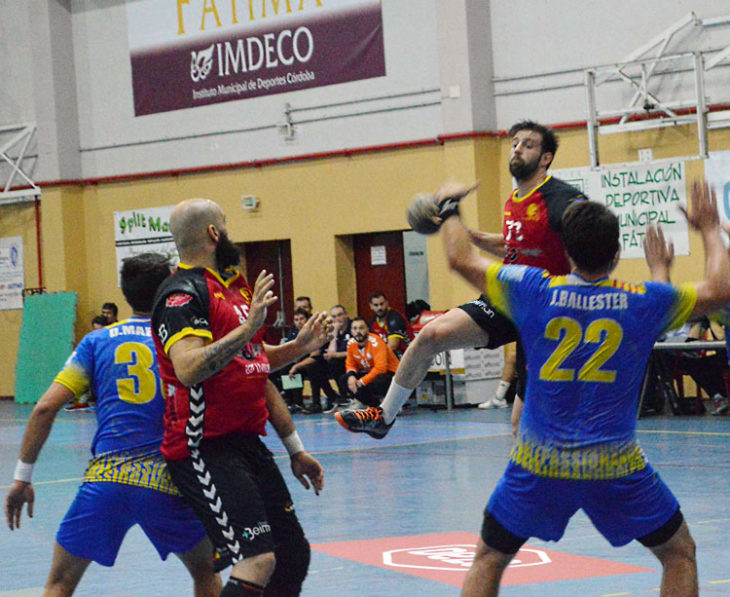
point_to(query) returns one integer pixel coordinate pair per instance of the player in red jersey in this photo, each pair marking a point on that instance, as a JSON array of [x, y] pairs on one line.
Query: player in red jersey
[[390, 325], [214, 367], [530, 236]]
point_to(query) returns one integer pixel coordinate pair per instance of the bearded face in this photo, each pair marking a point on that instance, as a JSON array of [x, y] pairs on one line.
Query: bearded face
[[359, 331], [227, 254], [522, 168]]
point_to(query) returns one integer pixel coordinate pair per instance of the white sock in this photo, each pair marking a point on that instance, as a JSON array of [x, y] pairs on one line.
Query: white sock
[[394, 399], [502, 389]]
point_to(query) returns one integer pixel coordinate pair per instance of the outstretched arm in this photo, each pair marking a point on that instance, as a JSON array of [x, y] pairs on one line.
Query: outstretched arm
[[305, 467], [659, 254], [462, 258], [315, 333], [36, 433], [714, 291], [491, 242]]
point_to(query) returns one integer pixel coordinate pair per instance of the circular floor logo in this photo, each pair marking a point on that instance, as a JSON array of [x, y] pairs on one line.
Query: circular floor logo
[[456, 557]]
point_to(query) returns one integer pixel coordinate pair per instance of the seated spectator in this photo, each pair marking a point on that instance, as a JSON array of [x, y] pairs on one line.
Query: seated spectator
[[706, 367], [336, 351], [293, 396], [314, 368], [303, 302], [370, 365], [110, 311], [390, 325], [99, 322]]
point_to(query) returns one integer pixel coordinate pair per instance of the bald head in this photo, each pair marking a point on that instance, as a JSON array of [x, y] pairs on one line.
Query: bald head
[[189, 223]]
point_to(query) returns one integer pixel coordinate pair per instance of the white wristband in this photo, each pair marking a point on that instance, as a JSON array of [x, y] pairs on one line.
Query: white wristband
[[292, 443], [23, 471]]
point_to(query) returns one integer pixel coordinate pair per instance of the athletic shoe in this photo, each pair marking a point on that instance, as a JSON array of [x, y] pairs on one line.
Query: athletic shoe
[[493, 402], [369, 420], [331, 409], [77, 406], [720, 403]]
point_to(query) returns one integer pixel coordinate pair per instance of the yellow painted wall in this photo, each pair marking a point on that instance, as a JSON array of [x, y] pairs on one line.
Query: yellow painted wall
[[317, 204]]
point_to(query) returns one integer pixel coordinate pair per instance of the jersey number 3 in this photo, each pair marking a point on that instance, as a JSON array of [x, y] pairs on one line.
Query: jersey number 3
[[606, 333], [140, 385]]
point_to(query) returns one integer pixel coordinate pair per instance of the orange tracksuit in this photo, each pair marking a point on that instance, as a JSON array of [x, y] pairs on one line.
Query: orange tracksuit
[[376, 358]]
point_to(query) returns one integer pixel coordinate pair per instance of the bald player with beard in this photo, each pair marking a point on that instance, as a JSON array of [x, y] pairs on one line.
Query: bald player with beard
[[214, 365]]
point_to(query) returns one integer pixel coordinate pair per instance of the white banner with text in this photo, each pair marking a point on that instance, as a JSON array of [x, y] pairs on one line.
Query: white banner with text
[[639, 194], [143, 231]]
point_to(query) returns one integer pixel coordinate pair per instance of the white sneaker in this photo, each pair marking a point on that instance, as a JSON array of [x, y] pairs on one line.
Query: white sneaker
[[499, 402], [493, 402]]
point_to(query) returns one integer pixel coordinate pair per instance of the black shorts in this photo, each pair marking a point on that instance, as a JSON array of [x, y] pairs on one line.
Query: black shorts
[[501, 331], [237, 491]]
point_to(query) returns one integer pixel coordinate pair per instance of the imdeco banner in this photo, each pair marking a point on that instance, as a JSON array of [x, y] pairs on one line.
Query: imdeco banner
[[189, 53]]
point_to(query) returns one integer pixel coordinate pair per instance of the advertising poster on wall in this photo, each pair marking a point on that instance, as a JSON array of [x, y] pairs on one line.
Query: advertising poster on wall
[[199, 52], [143, 231], [12, 274], [639, 194]]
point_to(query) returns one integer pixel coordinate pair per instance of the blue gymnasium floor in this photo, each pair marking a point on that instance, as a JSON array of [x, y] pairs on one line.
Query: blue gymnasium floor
[[404, 498]]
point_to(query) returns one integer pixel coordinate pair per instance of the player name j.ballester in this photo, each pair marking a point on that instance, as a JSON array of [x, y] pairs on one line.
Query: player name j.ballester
[[574, 300]]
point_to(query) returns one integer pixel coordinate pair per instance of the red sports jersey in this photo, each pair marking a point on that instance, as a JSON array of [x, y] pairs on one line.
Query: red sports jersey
[[393, 325], [531, 226], [198, 302]]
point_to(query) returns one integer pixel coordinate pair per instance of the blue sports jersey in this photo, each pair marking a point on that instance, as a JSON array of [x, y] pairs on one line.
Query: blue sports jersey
[[587, 345], [117, 363]]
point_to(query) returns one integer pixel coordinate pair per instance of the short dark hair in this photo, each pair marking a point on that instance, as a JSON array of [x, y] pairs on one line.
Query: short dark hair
[[354, 319], [112, 307], [377, 294], [303, 298], [549, 139], [300, 311], [141, 276], [100, 320], [590, 235]]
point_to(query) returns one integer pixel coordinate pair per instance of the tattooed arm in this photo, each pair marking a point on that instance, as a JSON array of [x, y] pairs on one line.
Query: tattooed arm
[[194, 361]]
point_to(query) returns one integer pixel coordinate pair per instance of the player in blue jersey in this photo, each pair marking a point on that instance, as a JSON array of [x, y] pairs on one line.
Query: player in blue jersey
[[587, 340], [127, 481]]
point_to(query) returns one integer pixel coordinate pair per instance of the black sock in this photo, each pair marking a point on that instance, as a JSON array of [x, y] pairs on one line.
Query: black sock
[[236, 587]]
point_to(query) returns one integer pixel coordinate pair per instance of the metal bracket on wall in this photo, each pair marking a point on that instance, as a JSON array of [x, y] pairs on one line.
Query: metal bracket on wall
[[16, 163], [644, 71]]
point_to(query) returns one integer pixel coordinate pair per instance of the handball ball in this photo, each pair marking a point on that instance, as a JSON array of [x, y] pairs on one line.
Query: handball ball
[[420, 213]]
